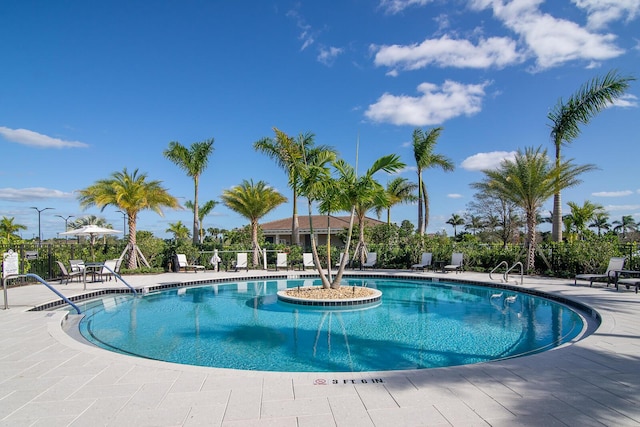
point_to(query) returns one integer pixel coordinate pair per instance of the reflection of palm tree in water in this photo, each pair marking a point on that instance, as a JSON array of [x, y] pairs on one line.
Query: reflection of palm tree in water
[[329, 315]]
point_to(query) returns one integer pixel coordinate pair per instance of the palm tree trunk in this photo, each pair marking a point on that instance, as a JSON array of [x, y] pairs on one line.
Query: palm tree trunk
[[420, 205], [556, 229], [336, 283], [531, 237], [196, 232], [254, 242], [133, 255], [295, 223], [425, 197]]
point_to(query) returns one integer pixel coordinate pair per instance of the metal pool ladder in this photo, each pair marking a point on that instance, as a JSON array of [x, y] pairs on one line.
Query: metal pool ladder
[[505, 275]]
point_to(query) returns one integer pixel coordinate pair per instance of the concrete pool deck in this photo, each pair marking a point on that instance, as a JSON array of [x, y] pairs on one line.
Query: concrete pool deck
[[49, 378]]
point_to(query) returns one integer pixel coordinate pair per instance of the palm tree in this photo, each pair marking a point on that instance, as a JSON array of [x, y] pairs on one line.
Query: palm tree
[[131, 193], [581, 215], [179, 231], [288, 154], [566, 118], [626, 224], [423, 145], [8, 229], [253, 201], [600, 222], [455, 221], [203, 211], [193, 161], [474, 223], [399, 190], [528, 181]]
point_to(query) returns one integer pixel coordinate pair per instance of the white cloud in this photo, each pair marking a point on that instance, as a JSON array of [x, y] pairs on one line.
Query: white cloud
[[612, 193], [397, 6], [447, 52], [484, 161], [454, 196], [435, 105], [602, 12], [32, 193], [626, 100], [35, 139], [610, 208], [551, 40], [306, 34], [328, 55]]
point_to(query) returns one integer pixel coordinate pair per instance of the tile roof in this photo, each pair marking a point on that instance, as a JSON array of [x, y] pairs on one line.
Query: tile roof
[[319, 222]]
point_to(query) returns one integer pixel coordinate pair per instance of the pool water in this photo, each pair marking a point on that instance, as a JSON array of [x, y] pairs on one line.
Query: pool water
[[242, 325]]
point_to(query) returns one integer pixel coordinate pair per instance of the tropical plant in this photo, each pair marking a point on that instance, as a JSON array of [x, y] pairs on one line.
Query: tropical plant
[[567, 117], [289, 154], [253, 201], [179, 231], [529, 180], [455, 221], [423, 145], [8, 229], [193, 161], [203, 211], [625, 225], [474, 223], [399, 190], [581, 215], [600, 222], [131, 193]]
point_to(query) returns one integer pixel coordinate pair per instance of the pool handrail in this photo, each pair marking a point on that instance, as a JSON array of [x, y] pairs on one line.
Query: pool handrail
[[504, 276], [41, 280]]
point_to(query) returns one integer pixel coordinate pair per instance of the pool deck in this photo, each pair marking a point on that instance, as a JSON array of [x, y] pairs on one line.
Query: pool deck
[[49, 378]]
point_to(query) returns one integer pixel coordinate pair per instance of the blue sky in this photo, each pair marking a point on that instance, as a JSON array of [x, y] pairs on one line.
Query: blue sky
[[88, 88]]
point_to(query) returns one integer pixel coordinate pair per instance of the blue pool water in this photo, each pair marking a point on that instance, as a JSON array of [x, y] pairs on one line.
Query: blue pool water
[[242, 325]]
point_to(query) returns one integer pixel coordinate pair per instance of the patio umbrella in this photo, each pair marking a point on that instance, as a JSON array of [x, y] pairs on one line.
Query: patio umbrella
[[92, 231]]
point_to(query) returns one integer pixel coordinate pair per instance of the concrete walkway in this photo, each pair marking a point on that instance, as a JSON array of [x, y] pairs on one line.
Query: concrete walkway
[[48, 378]]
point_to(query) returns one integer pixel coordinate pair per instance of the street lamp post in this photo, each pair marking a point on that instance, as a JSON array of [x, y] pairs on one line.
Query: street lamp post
[[39, 227], [66, 219], [124, 223]]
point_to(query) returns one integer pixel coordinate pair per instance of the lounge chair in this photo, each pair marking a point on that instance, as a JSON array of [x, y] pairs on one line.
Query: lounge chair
[[615, 264], [372, 259], [281, 260], [425, 262], [629, 281], [77, 265], [65, 275], [241, 261], [183, 264], [456, 263], [307, 261], [346, 263]]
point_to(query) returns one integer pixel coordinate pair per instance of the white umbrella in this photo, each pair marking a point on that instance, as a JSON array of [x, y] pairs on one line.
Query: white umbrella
[[92, 231]]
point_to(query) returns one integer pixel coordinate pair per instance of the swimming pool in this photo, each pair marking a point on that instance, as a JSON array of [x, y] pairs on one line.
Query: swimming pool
[[242, 325]]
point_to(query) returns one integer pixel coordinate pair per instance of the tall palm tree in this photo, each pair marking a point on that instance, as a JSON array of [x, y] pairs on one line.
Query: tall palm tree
[[131, 193], [193, 161], [474, 223], [581, 215], [567, 117], [203, 211], [399, 190], [455, 221], [529, 180], [179, 231], [423, 145], [253, 201], [600, 222], [288, 153], [8, 229]]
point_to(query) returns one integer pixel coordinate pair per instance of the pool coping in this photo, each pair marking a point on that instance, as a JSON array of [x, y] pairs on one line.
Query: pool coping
[[592, 381]]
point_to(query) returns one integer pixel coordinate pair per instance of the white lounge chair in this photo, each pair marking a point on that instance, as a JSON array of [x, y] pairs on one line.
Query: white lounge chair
[[372, 259], [109, 267], [281, 261], [425, 262], [346, 263], [456, 263], [241, 261], [77, 265], [615, 264], [183, 264], [307, 261]]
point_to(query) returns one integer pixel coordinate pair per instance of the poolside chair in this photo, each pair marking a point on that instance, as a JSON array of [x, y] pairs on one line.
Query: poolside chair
[[65, 275], [456, 263], [107, 269], [183, 264], [346, 263], [76, 265], [615, 263], [425, 262], [307, 260], [281, 260], [372, 259], [241, 261]]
